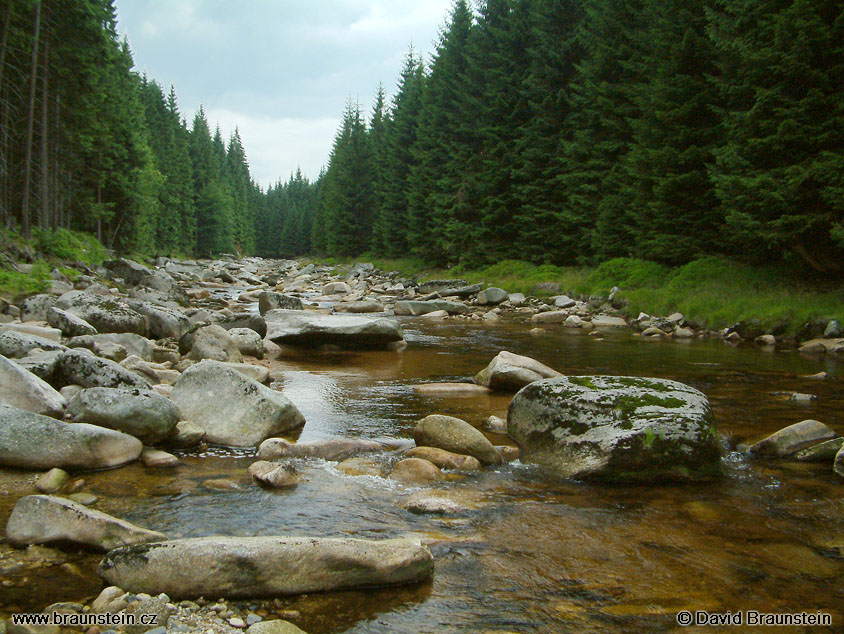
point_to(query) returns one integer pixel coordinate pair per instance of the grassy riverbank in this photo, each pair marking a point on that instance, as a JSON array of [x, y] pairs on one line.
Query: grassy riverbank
[[714, 292]]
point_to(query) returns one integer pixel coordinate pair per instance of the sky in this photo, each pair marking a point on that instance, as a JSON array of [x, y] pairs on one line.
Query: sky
[[281, 71]]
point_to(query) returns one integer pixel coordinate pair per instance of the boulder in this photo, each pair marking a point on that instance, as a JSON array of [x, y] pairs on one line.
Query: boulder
[[24, 390], [838, 463], [444, 459], [248, 342], [336, 288], [274, 475], [335, 449], [210, 342], [296, 327], [14, 345], [608, 321], [132, 343], [242, 320], [616, 429], [564, 301], [158, 459], [492, 296], [250, 371], [106, 314], [791, 439], [163, 322], [45, 332], [32, 441], [45, 519], [415, 471], [44, 365], [366, 306], [143, 414], [550, 317], [144, 369], [455, 435], [249, 567], [233, 410], [270, 300], [35, 307], [509, 372], [496, 425], [69, 324], [186, 434], [822, 452], [418, 307], [77, 367]]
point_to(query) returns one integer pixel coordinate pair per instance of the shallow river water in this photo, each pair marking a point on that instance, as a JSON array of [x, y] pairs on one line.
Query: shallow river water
[[531, 555]]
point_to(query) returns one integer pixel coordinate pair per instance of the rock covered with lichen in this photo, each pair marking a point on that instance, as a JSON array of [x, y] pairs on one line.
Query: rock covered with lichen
[[616, 429]]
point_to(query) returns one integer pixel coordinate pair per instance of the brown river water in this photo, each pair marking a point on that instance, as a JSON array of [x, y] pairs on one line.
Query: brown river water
[[530, 555]]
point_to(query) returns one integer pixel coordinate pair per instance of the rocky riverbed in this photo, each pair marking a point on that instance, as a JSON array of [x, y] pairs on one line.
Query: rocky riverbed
[[281, 399]]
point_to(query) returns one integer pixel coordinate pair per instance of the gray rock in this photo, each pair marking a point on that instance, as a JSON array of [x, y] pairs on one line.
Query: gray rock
[[233, 409], [243, 320], [616, 429], [822, 452], [164, 322], [444, 459], [367, 306], [106, 314], [45, 332], [509, 372], [14, 345], [44, 519], [44, 365], [564, 301], [110, 601], [276, 626], [255, 372], [415, 471], [24, 390], [68, 323], [791, 439], [492, 296], [186, 434], [248, 342], [158, 459], [296, 327], [608, 321], [336, 449], [455, 435], [417, 307], [517, 299], [438, 285], [270, 300], [336, 288], [35, 307], [832, 330], [52, 481], [496, 425], [433, 502], [456, 291], [550, 317], [142, 368], [158, 608], [140, 413], [274, 475], [134, 344], [76, 367], [210, 342], [236, 567]]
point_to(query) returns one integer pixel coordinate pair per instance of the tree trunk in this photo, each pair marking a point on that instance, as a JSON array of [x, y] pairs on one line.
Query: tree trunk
[[44, 160], [4, 39], [30, 121]]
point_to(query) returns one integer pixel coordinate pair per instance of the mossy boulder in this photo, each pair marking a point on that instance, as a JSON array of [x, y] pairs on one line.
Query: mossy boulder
[[622, 429]]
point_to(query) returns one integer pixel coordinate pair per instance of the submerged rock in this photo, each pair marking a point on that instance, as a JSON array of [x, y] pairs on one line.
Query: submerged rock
[[43, 519], [233, 409], [236, 567], [141, 413], [24, 390], [509, 372], [337, 449], [444, 459], [791, 439], [274, 475], [616, 429], [296, 327], [455, 435], [451, 389]]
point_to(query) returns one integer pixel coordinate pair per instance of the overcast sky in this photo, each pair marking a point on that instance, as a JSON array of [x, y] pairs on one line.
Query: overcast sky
[[279, 70]]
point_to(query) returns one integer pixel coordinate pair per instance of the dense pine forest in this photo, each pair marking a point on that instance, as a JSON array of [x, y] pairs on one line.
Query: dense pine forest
[[566, 132]]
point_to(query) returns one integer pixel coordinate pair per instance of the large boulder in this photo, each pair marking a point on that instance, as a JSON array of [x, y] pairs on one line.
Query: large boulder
[[45, 519], [106, 314], [419, 307], [248, 342], [444, 459], [332, 449], [509, 372], [791, 439], [234, 410], [492, 296], [22, 389], [133, 344], [32, 441], [364, 306], [159, 280], [68, 323], [210, 342], [455, 435], [270, 300], [336, 288], [14, 345], [296, 327], [35, 307], [143, 414], [251, 567], [243, 320], [80, 367], [163, 322], [616, 429]]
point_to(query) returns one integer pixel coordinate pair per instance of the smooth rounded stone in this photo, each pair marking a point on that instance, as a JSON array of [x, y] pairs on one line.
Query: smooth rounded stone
[[573, 321], [35, 307], [360, 466], [75, 367], [24, 390], [142, 368], [336, 288], [14, 345], [822, 452], [157, 458], [248, 342], [838, 463], [616, 429], [653, 331], [164, 322], [186, 434], [455, 435], [35, 330], [44, 519], [210, 342], [242, 320], [509, 372], [608, 321], [496, 424], [508, 453], [550, 317], [765, 340], [276, 626], [274, 475], [81, 497], [517, 299], [111, 600], [235, 567], [134, 344], [270, 300], [106, 314], [817, 346], [444, 459], [257, 373], [683, 333], [144, 414], [432, 502], [791, 439], [451, 389], [233, 409], [492, 316], [415, 470], [419, 307], [69, 324], [492, 296], [363, 306], [335, 449], [32, 441], [802, 398], [564, 301], [437, 314], [52, 481], [305, 328]]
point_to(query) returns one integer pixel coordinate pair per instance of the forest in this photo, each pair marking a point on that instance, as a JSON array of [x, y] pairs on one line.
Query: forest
[[566, 132]]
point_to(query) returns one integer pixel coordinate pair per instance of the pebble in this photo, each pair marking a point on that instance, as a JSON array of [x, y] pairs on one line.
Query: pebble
[[253, 618], [237, 622]]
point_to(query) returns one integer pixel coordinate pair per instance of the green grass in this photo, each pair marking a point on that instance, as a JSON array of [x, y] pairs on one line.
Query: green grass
[[70, 245], [15, 283]]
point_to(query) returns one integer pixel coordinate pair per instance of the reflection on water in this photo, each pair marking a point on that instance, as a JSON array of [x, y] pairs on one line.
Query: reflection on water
[[526, 555]]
